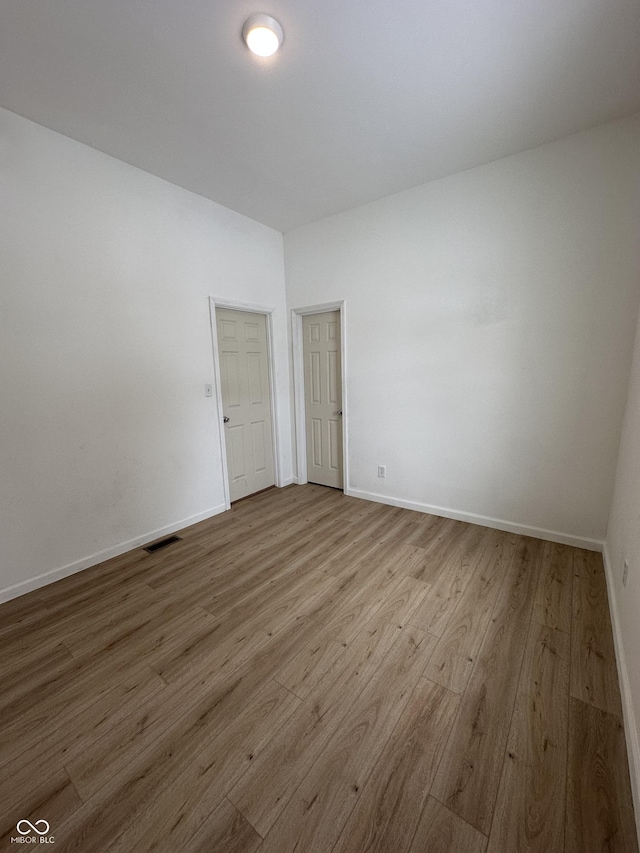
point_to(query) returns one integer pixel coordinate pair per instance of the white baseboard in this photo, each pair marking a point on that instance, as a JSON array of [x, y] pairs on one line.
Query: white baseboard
[[287, 482], [45, 578], [485, 521], [630, 724]]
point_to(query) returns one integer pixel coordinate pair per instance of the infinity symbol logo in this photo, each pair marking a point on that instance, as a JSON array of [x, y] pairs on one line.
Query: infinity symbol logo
[[32, 827]]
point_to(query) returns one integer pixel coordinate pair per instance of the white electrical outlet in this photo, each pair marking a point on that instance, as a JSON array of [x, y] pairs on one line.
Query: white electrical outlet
[[382, 470], [625, 572]]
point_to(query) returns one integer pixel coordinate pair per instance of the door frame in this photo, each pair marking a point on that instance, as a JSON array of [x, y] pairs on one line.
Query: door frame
[[298, 386], [250, 308]]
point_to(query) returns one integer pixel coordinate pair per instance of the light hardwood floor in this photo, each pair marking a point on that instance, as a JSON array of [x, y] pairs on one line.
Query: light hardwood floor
[[310, 672]]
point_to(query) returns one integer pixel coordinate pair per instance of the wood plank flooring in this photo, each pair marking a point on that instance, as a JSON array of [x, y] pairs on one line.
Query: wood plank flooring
[[313, 673]]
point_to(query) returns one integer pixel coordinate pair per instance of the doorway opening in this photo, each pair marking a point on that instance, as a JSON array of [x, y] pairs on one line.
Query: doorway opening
[[243, 365]]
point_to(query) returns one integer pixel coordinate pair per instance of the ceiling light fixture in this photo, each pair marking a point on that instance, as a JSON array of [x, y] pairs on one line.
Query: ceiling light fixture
[[263, 34]]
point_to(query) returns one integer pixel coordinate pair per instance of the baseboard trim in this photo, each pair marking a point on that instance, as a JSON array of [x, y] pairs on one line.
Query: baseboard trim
[[628, 713], [484, 520], [46, 578]]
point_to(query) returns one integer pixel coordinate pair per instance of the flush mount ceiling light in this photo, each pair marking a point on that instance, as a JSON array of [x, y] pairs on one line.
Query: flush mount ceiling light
[[263, 34]]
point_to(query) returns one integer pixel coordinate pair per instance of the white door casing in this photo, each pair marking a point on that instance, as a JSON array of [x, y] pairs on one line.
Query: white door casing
[[323, 397], [243, 355]]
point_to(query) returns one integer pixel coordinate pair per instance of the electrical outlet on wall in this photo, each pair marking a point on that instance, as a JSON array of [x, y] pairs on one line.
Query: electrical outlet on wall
[[382, 470], [625, 572]]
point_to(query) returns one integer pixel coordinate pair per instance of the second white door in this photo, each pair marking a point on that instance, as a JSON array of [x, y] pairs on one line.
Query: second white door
[[323, 397], [244, 375]]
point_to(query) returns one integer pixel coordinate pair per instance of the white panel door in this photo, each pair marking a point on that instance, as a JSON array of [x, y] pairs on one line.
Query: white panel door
[[244, 374], [323, 397]]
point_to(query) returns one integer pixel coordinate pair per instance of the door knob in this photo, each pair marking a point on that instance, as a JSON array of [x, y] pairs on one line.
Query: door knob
[[225, 420], [339, 412]]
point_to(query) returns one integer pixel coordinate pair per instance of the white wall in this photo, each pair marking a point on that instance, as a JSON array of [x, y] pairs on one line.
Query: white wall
[[623, 543], [105, 274], [490, 327]]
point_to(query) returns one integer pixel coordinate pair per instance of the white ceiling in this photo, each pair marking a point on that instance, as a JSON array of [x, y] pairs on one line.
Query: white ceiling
[[366, 97]]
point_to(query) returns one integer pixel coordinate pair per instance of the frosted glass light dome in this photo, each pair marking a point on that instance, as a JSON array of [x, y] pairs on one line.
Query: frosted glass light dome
[[263, 34]]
